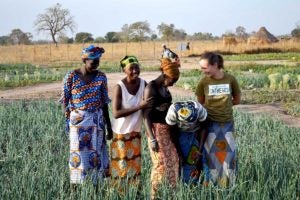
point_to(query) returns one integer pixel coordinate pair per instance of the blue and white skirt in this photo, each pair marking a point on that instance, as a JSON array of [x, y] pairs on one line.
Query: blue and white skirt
[[220, 160], [88, 149]]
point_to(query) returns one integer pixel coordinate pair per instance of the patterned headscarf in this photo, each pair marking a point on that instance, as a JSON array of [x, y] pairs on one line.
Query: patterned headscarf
[[128, 60], [186, 111], [170, 68], [92, 52]]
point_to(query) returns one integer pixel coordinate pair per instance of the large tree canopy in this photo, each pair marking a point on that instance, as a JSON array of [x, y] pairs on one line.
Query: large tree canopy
[[83, 37], [296, 32], [203, 36], [241, 32], [125, 33], [169, 32], [112, 37], [166, 31], [55, 21], [17, 36], [4, 40], [139, 30]]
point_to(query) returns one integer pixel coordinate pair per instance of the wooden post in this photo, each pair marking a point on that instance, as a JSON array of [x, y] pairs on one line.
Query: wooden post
[[112, 51], [50, 54], [34, 53], [153, 49]]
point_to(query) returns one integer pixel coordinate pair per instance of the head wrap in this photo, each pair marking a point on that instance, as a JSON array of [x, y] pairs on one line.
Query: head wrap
[[170, 68], [128, 60], [187, 111], [92, 52]]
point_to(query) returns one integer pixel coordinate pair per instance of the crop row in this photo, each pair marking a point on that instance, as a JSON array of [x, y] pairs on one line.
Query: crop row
[[34, 160]]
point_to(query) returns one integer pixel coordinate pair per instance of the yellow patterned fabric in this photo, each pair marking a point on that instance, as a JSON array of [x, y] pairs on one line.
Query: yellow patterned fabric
[[126, 155], [128, 60]]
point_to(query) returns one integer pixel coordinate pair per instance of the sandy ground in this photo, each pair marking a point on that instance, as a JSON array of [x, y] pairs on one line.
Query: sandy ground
[[52, 91]]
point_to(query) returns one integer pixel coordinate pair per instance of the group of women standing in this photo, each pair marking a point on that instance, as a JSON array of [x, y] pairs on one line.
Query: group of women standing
[[184, 138]]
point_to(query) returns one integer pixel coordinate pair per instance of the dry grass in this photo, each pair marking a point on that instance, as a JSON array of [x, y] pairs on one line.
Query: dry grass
[[65, 53]]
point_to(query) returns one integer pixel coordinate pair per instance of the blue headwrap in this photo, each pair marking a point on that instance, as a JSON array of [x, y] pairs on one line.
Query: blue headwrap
[[92, 52]]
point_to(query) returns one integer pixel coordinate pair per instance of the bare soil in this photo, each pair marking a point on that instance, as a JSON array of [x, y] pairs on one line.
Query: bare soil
[[53, 91]]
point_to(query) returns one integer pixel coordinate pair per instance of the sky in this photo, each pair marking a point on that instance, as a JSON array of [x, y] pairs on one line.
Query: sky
[[211, 16]]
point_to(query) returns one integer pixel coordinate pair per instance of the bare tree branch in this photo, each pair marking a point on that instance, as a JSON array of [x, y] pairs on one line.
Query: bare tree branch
[[56, 21]]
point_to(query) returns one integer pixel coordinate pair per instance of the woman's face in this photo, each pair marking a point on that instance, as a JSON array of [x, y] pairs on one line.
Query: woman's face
[[208, 69], [168, 81], [132, 71], [91, 65]]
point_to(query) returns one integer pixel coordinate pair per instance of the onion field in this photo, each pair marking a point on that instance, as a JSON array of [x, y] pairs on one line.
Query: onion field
[[34, 160]]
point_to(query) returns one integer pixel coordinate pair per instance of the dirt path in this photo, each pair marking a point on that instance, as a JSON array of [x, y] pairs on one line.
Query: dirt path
[[52, 91]]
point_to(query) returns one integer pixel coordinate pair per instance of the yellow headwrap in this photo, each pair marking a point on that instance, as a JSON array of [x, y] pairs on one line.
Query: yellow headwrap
[[128, 60], [170, 68]]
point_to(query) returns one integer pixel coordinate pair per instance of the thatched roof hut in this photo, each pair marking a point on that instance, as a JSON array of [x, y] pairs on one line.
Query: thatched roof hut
[[263, 36], [229, 40]]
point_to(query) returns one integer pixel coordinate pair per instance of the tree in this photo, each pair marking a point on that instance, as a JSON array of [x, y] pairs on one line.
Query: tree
[[112, 37], [296, 33], [153, 36], [100, 40], [4, 40], [203, 36], [83, 37], [17, 36], [228, 34], [166, 31], [55, 21], [65, 39], [179, 34], [241, 33], [125, 33], [138, 31]]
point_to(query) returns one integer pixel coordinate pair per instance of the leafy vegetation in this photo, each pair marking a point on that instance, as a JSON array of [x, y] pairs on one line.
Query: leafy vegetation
[[17, 75], [292, 56], [34, 160]]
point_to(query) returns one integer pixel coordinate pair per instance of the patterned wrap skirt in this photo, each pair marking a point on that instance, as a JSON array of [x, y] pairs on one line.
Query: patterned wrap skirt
[[88, 149], [126, 155], [220, 159], [191, 166], [165, 161]]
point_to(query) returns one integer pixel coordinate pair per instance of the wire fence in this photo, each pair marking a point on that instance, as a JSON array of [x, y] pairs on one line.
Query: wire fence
[[70, 53]]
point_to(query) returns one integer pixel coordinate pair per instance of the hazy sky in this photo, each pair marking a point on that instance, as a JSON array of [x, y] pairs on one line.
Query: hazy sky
[[213, 16]]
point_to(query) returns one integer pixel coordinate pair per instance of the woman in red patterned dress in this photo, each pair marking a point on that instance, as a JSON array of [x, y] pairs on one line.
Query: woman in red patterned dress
[[163, 152]]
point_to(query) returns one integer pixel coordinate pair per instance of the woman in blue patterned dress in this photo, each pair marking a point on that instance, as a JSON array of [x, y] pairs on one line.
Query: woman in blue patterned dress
[[188, 118], [85, 99]]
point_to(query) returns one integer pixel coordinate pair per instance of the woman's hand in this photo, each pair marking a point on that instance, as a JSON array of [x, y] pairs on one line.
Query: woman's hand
[[147, 103]]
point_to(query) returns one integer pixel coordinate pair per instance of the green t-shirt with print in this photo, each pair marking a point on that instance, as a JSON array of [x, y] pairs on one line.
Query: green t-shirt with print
[[218, 95]]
